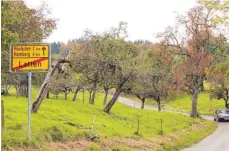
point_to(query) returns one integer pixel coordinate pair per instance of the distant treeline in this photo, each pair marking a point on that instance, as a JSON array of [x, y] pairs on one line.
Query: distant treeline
[[56, 46]]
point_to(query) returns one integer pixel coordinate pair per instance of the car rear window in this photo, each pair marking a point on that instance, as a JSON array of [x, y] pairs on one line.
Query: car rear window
[[224, 111]]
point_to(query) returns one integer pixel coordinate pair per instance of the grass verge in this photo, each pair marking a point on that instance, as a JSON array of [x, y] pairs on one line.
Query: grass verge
[[49, 128]]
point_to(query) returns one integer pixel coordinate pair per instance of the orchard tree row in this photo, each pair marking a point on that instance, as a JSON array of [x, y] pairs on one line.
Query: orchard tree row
[[193, 51]]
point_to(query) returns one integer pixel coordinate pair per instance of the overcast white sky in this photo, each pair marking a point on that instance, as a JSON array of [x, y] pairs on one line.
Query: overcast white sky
[[144, 17]]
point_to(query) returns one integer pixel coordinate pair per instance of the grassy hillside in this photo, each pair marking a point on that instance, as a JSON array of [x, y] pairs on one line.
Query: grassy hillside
[[48, 125]]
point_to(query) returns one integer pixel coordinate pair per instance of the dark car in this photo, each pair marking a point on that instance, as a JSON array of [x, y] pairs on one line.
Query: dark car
[[221, 115]]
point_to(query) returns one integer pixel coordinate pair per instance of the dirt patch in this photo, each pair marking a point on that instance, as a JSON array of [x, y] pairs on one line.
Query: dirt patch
[[112, 144], [21, 149], [134, 144], [81, 145]]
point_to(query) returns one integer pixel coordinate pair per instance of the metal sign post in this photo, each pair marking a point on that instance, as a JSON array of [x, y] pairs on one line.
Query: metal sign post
[[30, 57], [29, 102]]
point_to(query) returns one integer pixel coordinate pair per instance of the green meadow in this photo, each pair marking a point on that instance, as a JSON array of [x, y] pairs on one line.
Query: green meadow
[[49, 124]]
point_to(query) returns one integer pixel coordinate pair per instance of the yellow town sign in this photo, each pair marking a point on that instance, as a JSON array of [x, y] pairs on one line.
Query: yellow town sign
[[30, 57]]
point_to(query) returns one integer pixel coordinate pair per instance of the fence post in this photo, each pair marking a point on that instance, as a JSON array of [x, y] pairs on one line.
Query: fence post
[[161, 131], [2, 113], [161, 125]]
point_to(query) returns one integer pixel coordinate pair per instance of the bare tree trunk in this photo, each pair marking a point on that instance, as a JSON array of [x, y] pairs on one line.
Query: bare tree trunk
[[105, 97], [18, 85], [92, 101], [89, 95], [65, 94], [22, 91], [202, 87], [44, 86], [143, 103], [64, 65], [25, 93], [47, 95], [114, 99], [18, 89], [75, 93], [227, 104], [194, 104], [226, 99], [7, 87], [159, 103]]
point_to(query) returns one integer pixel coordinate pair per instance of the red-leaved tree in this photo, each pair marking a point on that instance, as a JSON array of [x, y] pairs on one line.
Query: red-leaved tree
[[191, 48]]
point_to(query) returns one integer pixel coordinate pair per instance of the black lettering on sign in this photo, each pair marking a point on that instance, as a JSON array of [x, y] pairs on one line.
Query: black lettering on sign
[[21, 54], [21, 48], [30, 64]]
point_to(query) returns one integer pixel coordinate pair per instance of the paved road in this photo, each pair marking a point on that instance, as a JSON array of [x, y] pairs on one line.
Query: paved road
[[218, 141]]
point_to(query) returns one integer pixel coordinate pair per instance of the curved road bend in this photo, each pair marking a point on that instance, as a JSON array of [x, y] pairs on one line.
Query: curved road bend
[[218, 141]]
